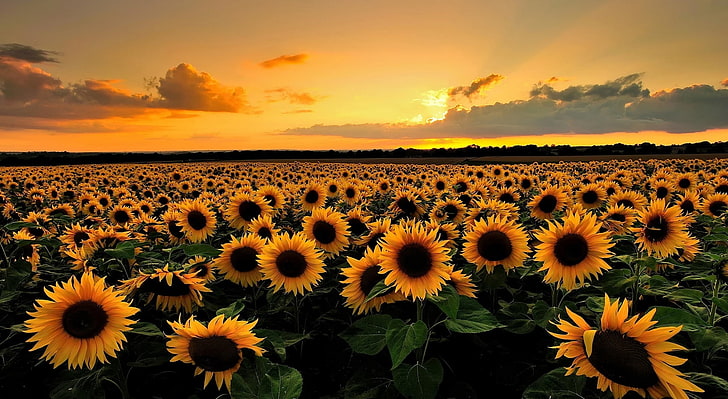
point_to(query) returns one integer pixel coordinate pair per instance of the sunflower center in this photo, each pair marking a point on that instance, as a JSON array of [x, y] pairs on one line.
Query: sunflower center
[[214, 353], [312, 197], [547, 203], [197, 220], [687, 206], [333, 188], [121, 216], [525, 184], [571, 249], [369, 278], [661, 192], [461, 187], [244, 259], [356, 226], [59, 212], [406, 205], [723, 189], [36, 232], [414, 260], [84, 319], [160, 286], [80, 236], [175, 229], [271, 200], [618, 217], [626, 203], [324, 232], [291, 263], [717, 207], [590, 197], [451, 211], [440, 185], [248, 210], [265, 232], [622, 359], [684, 183], [656, 229], [494, 246], [507, 197], [374, 240], [442, 235], [350, 193]]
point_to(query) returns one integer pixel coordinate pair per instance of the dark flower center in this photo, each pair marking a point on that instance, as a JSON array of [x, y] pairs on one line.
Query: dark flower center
[[626, 203], [369, 278], [687, 207], [312, 197], [333, 188], [507, 197], [590, 197], [175, 229], [406, 205], [80, 236], [526, 184], [442, 235], [104, 201], [451, 211], [265, 232], [661, 192], [717, 207], [214, 353], [244, 259], [291, 263], [684, 183], [324, 232], [618, 217], [59, 212], [547, 203], [494, 246], [440, 185], [197, 220], [384, 186], [622, 359], [356, 226], [465, 199], [350, 193], [656, 229], [461, 187], [271, 200], [414, 260], [611, 191], [121, 216], [36, 232], [160, 287], [571, 249], [372, 244], [84, 319], [249, 210], [723, 189]]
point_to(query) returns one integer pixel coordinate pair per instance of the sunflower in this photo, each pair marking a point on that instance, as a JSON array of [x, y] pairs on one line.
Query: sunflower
[[507, 194], [551, 199], [628, 198], [75, 236], [332, 188], [462, 283], [618, 218], [686, 181], [238, 261], [662, 189], [83, 322], [574, 251], [663, 230], [357, 222], [172, 223], [292, 263], [174, 290], [361, 276], [351, 193], [624, 354], [407, 204], [451, 210], [28, 252], [490, 207], [215, 349], [61, 210], [377, 230], [446, 232], [200, 267], [591, 196], [244, 208], [313, 197], [328, 229], [715, 204], [414, 261], [263, 227], [121, 215], [196, 221], [273, 196], [496, 241]]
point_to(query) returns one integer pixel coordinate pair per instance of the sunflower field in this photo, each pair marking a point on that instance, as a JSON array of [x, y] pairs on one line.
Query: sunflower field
[[324, 280]]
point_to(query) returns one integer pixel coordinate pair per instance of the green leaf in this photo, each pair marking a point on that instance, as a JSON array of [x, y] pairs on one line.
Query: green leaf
[[403, 338], [616, 281], [201, 250], [12, 226], [419, 381], [666, 316], [379, 289], [16, 274], [555, 384], [714, 386], [722, 303], [520, 326], [233, 309], [250, 378], [472, 318], [123, 250], [595, 304], [368, 335], [281, 382], [685, 295], [146, 329], [448, 300], [280, 340], [710, 339], [543, 313]]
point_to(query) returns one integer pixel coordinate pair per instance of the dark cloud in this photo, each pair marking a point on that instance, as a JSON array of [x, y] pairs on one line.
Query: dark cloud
[[477, 87], [621, 105], [21, 82], [293, 97], [27, 53], [183, 87], [284, 60]]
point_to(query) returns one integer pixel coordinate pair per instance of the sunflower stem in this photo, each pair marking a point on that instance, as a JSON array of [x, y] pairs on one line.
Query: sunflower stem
[[713, 304], [420, 306]]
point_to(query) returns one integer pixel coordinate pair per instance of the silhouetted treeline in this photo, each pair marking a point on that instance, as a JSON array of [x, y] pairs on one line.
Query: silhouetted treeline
[[471, 151]]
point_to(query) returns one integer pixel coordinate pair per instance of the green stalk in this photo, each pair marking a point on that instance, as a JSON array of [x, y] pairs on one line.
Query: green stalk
[[713, 305]]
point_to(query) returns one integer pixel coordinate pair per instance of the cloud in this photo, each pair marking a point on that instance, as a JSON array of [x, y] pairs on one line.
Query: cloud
[[477, 87], [620, 105], [298, 111], [183, 87], [26, 53], [284, 60], [20, 81], [284, 94], [724, 82]]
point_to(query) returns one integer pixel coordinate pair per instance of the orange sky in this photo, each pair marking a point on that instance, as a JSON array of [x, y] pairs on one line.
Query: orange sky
[[349, 75]]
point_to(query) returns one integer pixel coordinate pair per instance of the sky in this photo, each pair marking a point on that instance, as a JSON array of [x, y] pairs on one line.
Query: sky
[[140, 75]]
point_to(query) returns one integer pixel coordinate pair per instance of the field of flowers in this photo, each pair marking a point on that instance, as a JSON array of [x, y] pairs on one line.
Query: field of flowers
[[309, 280]]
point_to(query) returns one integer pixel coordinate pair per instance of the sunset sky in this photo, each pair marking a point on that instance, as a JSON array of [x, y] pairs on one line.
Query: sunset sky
[[83, 75]]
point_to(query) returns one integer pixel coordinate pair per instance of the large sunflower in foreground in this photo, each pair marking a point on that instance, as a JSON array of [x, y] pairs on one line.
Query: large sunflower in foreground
[[625, 354], [83, 322], [215, 349], [328, 229], [196, 221], [663, 229], [292, 263], [238, 261], [414, 261], [361, 276], [574, 251], [496, 241]]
